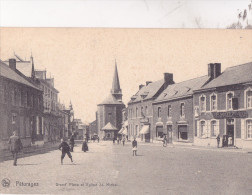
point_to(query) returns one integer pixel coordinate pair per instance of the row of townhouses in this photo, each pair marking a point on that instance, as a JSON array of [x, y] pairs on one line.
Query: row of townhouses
[[29, 104], [195, 111]]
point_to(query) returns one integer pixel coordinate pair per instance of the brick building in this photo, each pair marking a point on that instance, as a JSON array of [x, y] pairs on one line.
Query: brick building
[[21, 106], [173, 111], [224, 106], [140, 113], [109, 111]]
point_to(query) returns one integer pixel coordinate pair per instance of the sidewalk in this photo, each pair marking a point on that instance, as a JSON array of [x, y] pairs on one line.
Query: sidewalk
[[195, 147], [32, 150]]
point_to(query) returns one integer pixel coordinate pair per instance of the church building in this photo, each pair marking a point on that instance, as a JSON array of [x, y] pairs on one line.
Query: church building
[[109, 111]]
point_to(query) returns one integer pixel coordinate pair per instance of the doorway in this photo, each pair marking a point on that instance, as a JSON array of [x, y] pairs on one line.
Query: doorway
[[230, 132], [169, 134]]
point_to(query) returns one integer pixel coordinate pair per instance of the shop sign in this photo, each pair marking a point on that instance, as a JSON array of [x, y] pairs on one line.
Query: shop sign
[[230, 114]]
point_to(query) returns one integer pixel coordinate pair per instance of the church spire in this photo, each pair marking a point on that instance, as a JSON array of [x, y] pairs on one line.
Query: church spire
[[116, 90]]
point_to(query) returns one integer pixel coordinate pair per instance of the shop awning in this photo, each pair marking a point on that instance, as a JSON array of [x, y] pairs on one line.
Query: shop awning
[[120, 132], [145, 129], [124, 132]]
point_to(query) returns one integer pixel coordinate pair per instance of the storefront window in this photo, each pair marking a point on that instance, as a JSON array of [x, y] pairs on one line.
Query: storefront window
[[159, 132], [249, 129], [213, 128]]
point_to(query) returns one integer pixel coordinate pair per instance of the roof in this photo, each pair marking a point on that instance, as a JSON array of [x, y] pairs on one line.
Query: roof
[[7, 72], [110, 99], [109, 126], [22, 65], [182, 89], [116, 83], [148, 91], [231, 76]]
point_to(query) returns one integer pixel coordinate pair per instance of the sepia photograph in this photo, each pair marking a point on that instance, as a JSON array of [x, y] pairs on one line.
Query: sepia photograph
[[125, 97]]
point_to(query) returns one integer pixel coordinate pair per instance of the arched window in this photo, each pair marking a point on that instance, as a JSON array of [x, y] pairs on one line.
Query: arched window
[[213, 99], [202, 128], [214, 128], [202, 103], [248, 98], [229, 100]]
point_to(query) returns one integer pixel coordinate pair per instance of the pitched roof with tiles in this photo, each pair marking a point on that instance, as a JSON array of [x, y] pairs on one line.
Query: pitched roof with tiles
[[148, 91], [231, 76], [182, 89], [7, 72], [110, 99]]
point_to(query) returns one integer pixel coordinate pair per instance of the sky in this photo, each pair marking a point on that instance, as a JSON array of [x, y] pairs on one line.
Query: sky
[[145, 46]]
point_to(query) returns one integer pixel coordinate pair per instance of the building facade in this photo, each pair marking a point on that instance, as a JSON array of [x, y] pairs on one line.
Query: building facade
[[110, 111], [140, 110], [224, 107], [21, 106], [173, 111]]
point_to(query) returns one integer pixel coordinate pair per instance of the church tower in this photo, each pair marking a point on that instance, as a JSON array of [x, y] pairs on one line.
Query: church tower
[[116, 90]]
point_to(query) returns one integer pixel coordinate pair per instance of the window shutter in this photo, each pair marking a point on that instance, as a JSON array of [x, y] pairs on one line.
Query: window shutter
[[198, 128], [243, 128], [217, 127]]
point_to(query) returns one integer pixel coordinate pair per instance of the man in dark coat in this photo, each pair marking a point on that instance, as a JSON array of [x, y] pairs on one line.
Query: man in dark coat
[[84, 146], [15, 146], [72, 142], [65, 150], [134, 147]]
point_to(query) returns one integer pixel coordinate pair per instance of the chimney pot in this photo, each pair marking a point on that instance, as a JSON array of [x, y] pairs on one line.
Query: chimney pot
[[12, 63]]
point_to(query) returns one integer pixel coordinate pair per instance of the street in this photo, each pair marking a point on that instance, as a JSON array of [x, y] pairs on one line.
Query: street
[[111, 169]]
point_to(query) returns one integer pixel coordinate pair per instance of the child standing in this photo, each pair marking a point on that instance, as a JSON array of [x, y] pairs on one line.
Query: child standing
[[65, 150]]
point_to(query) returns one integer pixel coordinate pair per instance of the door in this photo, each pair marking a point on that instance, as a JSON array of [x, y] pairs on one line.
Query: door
[[230, 132], [169, 134]]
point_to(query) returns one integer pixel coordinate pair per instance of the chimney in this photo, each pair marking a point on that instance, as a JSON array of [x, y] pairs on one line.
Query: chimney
[[141, 86], [214, 70], [148, 82], [168, 79], [12, 63]]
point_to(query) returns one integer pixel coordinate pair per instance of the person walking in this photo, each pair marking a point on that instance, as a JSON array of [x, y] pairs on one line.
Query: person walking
[[65, 150], [98, 139], [134, 147], [118, 140], [84, 146], [123, 140], [15, 146], [71, 141], [218, 141]]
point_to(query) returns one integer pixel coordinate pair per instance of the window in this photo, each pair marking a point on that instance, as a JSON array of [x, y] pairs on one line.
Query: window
[[142, 112], [249, 99], [159, 112], [146, 110], [169, 111], [32, 100], [182, 109], [213, 102], [203, 103], [249, 129], [213, 128], [14, 118], [230, 96], [136, 112], [12, 97], [5, 94], [202, 128]]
